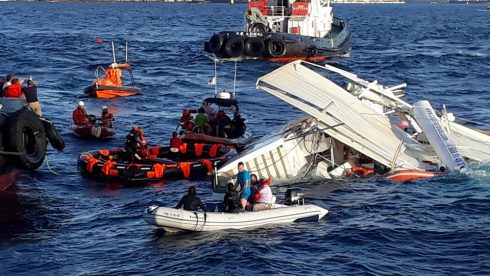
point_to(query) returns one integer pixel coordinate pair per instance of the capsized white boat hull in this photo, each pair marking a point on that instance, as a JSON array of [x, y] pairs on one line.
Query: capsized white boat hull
[[174, 220]]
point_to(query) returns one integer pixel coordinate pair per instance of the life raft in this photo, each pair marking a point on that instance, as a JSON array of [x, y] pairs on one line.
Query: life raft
[[191, 161], [93, 131]]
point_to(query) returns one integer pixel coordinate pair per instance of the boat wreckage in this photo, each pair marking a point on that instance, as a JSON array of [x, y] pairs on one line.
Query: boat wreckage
[[355, 128]]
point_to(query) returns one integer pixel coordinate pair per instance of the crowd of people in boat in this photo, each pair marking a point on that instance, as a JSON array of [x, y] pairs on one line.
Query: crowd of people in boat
[[248, 194], [14, 87], [208, 121]]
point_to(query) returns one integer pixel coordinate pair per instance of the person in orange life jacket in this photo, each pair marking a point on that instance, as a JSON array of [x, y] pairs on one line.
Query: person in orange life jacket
[[14, 90], [113, 74], [80, 116], [106, 117], [190, 201], [30, 93], [136, 144], [262, 198], [187, 121], [175, 143]]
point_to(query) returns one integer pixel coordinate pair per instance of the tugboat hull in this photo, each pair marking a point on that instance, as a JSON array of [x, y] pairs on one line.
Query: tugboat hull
[[281, 47]]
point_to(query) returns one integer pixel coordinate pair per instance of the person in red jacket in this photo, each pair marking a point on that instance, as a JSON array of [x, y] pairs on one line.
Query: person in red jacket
[[106, 117], [14, 90], [80, 116], [175, 142]]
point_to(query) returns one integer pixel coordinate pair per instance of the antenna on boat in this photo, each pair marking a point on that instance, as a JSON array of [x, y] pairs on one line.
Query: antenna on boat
[[127, 52], [215, 78], [234, 80], [113, 53]]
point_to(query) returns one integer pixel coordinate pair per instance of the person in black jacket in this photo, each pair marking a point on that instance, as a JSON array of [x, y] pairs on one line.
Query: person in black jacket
[[30, 93], [232, 199], [190, 201]]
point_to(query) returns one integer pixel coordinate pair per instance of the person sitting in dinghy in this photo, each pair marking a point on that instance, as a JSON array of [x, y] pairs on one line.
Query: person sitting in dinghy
[[80, 116], [175, 143], [187, 121], [190, 201], [262, 197], [231, 200], [106, 117]]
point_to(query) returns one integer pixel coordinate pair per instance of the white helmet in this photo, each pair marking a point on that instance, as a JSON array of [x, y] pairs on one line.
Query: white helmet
[[81, 103], [104, 107]]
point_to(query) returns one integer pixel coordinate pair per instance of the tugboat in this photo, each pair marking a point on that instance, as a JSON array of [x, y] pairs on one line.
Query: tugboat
[[286, 31], [111, 84]]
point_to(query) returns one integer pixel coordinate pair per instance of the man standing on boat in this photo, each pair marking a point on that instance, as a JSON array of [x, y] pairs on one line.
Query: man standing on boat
[[243, 179]]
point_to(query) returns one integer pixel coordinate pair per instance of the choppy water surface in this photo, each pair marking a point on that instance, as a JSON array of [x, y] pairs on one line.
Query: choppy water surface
[[67, 224]]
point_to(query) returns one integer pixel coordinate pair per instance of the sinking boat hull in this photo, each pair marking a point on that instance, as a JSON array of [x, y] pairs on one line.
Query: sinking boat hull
[[175, 220], [108, 92]]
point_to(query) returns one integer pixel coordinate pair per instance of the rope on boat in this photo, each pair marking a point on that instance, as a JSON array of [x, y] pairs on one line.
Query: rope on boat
[[49, 167]]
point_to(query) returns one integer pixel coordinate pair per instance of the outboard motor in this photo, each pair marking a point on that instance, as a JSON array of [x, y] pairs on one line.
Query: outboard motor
[[294, 196]]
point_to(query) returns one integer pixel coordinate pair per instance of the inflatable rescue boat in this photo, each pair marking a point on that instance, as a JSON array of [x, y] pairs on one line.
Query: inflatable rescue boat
[[175, 220], [191, 161], [93, 131]]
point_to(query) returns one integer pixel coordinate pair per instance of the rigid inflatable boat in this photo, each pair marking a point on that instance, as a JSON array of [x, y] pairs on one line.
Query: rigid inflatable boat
[[93, 131], [175, 220], [192, 160]]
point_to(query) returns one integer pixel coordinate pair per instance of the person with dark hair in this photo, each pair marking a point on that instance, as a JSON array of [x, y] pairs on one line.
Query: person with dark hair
[[31, 96], [136, 144], [223, 124], [8, 82], [238, 126], [201, 121], [231, 200], [243, 179], [190, 201], [14, 90]]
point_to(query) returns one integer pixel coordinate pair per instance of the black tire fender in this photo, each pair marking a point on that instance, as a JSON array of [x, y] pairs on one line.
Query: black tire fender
[[52, 134], [26, 134], [234, 46], [277, 48], [254, 46], [3, 158], [215, 43]]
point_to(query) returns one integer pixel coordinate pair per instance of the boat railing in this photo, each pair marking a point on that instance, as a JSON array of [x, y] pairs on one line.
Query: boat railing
[[97, 72], [276, 10]]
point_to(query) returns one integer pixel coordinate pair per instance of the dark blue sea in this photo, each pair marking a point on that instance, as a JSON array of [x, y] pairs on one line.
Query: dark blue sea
[[68, 225]]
